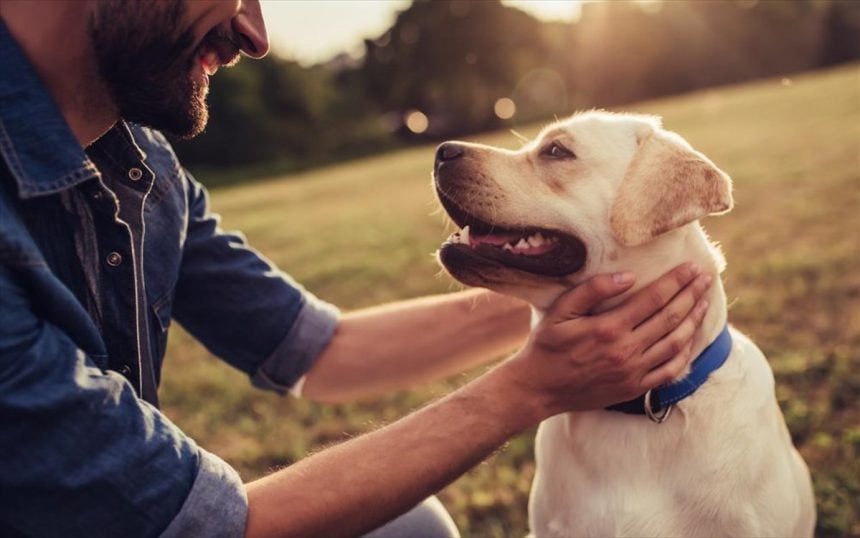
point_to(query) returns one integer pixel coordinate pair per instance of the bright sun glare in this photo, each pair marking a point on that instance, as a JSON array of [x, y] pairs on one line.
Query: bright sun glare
[[556, 10]]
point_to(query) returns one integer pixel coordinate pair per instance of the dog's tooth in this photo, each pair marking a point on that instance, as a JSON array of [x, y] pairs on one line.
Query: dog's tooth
[[522, 243], [535, 240], [464, 235], [507, 246]]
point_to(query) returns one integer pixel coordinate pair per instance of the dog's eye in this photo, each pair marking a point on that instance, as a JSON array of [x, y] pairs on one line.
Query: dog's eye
[[556, 151]]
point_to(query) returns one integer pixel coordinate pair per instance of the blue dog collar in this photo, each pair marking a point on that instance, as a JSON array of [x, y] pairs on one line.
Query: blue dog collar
[[657, 403]]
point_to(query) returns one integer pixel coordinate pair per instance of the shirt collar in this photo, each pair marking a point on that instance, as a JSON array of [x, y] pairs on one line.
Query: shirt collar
[[37, 144]]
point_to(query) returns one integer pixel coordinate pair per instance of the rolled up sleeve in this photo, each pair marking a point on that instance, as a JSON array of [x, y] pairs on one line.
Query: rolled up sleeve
[[244, 309], [310, 332], [83, 456], [216, 506]]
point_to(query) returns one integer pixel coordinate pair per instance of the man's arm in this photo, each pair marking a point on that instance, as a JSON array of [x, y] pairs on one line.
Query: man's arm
[[378, 350], [356, 486], [571, 362]]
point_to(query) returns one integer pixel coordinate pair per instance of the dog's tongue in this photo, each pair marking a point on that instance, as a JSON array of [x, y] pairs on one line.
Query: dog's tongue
[[514, 242], [496, 240], [466, 237]]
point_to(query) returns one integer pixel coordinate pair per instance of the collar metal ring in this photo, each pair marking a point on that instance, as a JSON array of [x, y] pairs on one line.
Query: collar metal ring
[[659, 419]]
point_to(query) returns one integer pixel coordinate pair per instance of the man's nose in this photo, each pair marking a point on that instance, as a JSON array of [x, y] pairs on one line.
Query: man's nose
[[251, 29]]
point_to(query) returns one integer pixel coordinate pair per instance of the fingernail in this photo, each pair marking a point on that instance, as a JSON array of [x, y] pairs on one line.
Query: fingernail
[[703, 305], [694, 269], [623, 278], [707, 280]]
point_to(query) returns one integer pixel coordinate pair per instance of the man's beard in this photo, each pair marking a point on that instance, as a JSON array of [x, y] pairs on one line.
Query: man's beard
[[145, 60]]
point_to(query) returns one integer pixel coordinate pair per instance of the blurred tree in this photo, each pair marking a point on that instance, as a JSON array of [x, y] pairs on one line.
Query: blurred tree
[[842, 40], [629, 51], [452, 59]]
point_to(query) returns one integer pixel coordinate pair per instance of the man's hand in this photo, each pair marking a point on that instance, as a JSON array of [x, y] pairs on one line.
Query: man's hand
[[577, 361]]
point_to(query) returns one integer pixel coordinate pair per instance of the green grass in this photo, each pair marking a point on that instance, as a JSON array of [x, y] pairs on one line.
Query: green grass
[[363, 232]]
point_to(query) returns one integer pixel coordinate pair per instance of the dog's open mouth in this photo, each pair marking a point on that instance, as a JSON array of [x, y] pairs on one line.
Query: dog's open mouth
[[534, 250]]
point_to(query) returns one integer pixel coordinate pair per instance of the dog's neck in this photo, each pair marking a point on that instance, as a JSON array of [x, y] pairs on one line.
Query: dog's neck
[[649, 262]]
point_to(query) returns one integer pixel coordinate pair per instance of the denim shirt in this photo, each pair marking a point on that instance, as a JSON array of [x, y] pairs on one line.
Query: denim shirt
[[99, 250]]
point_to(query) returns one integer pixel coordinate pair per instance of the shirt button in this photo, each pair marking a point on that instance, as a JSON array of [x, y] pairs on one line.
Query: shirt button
[[125, 370], [114, 259], [98, 195], [135, 174]]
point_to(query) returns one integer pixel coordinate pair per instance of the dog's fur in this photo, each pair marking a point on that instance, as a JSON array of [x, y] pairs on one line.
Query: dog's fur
[[723, 463]]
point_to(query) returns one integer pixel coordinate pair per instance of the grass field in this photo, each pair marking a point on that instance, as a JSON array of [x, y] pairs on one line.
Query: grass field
[[363, 232]]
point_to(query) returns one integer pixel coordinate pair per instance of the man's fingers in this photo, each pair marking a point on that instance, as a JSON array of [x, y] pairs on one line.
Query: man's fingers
[[669, 370], [580, 300], [676, 341], [668, 319], [647, 301]]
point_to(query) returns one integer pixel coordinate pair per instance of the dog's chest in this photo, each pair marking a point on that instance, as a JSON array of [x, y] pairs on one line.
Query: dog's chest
[[610, 476]]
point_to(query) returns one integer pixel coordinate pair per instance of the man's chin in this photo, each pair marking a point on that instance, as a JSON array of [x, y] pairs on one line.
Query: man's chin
[[181, 123], [197, 115], [195, 126]]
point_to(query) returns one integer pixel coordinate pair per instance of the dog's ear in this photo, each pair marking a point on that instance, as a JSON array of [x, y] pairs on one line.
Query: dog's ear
[[667, 185]]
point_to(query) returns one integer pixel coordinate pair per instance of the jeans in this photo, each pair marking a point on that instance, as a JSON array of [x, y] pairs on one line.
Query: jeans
[[427, 520]]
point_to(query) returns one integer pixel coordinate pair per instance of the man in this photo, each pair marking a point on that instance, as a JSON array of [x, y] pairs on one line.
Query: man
[[104, 238]]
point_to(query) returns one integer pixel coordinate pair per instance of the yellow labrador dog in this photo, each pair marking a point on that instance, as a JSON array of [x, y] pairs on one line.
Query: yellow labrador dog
[[708, 455]]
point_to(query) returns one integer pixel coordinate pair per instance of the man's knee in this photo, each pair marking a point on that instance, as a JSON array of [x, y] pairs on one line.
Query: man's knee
[[427, 520]]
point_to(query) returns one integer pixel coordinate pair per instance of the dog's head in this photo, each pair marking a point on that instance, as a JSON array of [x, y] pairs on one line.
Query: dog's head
[[586, 192]]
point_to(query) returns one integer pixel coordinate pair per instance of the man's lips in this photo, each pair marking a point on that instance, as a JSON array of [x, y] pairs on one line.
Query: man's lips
[[216, 50], [209, 61]]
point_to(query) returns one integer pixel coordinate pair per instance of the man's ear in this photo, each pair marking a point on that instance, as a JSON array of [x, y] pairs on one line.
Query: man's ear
[[667, 185]]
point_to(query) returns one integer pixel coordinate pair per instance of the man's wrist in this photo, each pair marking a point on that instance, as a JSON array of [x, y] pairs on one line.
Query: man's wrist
[[521, 402]]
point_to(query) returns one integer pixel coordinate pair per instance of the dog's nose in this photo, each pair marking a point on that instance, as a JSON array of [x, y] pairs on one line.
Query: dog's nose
[[448, 151]]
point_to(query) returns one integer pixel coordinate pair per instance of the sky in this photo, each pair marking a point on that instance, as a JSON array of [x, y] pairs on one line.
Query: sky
[[311, 31]]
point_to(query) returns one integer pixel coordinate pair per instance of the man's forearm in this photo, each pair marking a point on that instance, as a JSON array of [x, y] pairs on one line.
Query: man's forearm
[[395, 346], [359, 485]]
